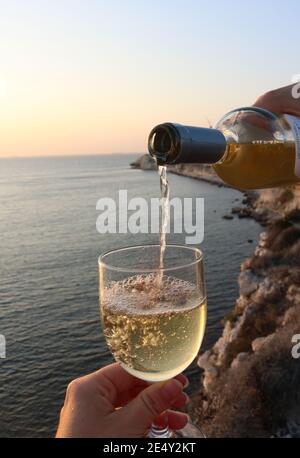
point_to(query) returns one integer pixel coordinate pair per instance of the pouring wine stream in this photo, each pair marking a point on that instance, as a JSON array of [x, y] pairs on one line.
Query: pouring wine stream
[[164, 213]]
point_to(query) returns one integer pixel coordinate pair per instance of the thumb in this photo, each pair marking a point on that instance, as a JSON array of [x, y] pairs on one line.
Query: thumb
[[151, 402]]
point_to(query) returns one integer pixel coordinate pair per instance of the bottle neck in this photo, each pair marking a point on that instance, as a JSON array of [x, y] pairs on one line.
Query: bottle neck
[[174, 143]]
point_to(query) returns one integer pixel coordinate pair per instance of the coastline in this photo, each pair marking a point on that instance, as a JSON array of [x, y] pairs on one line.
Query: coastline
[[249, 384], [205, 172], [200, 172]]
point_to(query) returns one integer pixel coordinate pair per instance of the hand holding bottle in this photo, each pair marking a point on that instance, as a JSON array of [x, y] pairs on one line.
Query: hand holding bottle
[[283, 100], [249, 148]]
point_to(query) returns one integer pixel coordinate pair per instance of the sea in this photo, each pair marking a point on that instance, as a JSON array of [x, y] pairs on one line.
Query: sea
[[49, 246]]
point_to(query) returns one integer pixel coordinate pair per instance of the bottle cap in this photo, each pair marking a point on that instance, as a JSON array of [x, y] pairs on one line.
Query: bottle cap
[[174, 143]]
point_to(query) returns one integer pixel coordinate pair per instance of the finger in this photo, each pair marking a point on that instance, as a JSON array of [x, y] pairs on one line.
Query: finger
[[123, 398], [177, 420], [183, 380], [123, 387], [115, 381], [182, 400], [121, 379], [171, 418], [283, 100], [150, 403], [126, 396]]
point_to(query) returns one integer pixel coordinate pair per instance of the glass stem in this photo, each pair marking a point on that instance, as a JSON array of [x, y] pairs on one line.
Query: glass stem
[[156, 432]]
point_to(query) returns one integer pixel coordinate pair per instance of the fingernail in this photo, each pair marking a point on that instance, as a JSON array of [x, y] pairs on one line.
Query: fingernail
[[182, 399], [183, 380], [187, 398], [171, 389]]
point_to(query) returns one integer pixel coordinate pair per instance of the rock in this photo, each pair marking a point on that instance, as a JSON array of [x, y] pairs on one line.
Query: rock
[[248, 282], [205, 405], [221, 344], [238, 359], [293, 294], [210, 375], [241, 303], [145, 162], [295, 251], [288, 316], [242, 212], [242, 356], [204, 360], [258, 343], [245, 213], [285, 238], [269, 291], [207, 362], [294, 216]]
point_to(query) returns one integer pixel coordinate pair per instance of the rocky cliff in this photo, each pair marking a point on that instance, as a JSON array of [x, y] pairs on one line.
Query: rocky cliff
[[251, 383]]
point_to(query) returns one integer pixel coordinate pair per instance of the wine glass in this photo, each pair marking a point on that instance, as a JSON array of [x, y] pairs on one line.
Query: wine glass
[[153, 317]]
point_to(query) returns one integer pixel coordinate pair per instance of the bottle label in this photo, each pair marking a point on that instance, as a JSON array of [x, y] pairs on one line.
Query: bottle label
[[295, 126]]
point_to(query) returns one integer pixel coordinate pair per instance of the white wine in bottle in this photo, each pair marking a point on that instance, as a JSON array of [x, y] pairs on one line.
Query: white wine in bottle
[[249, 148]]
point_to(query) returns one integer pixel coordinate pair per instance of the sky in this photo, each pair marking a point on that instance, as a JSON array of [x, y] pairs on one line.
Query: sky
[[94, 76]]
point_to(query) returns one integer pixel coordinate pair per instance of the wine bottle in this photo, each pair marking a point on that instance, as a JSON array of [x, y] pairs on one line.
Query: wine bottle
[[249, 148]]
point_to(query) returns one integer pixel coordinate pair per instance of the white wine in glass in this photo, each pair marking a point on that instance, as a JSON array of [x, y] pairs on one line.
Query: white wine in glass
[[153, 318]]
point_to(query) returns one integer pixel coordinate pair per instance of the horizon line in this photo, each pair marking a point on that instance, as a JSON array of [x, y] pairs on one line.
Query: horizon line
[[69, 155]]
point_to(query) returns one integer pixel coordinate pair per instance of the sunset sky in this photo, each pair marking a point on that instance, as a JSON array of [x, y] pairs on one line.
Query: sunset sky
[[93, 77]]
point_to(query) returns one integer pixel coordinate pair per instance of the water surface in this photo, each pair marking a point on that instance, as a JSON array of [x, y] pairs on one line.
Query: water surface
[[49, 274]]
